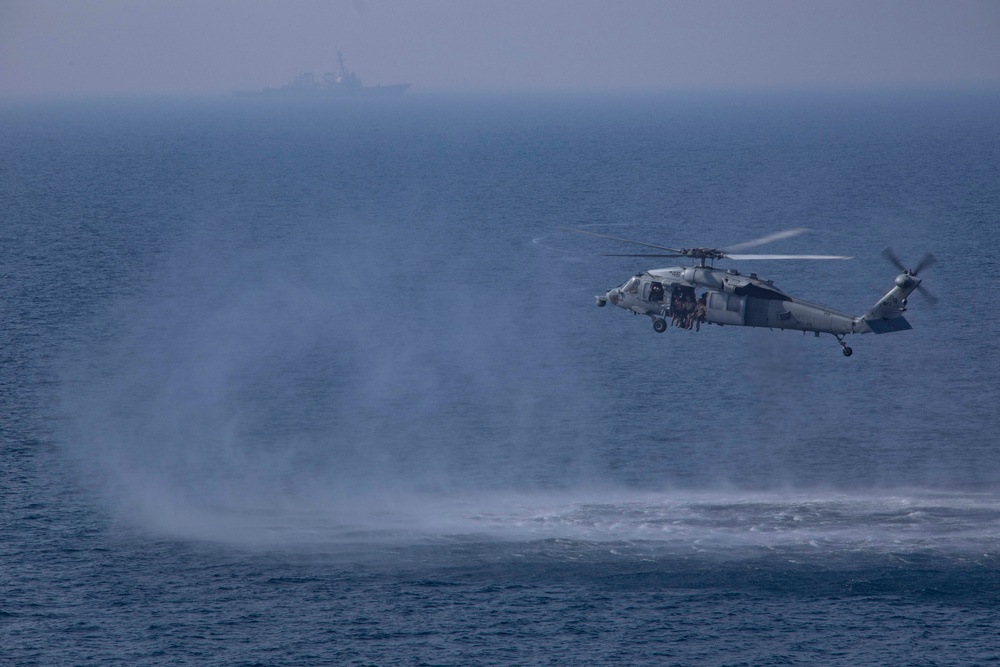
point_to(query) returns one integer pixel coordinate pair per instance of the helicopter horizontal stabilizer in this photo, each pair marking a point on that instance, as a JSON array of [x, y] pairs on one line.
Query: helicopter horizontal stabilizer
[[881, 326]]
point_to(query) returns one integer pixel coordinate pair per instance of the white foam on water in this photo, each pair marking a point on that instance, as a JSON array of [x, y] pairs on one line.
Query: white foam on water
[[910, 521]]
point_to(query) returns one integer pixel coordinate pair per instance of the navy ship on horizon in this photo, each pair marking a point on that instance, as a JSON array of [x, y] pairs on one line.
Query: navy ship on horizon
[[342, 83]]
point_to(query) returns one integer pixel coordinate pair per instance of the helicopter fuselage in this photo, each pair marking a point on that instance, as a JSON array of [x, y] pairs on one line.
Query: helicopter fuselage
[[729, 298]]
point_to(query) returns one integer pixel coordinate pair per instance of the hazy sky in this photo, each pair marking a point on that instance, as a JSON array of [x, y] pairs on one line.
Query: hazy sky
[[135, 46]]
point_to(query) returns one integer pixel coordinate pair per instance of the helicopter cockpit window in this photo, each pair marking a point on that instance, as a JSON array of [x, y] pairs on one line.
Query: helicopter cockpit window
[[632, 286]]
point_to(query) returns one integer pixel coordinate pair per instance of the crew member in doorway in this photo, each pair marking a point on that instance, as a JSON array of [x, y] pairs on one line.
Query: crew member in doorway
[[688, 307], [677, 309], [700, 310]]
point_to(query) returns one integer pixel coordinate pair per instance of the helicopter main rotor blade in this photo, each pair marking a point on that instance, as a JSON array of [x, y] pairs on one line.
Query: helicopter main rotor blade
[[770, 238], [616, 238], [728, 256], [634, 255]]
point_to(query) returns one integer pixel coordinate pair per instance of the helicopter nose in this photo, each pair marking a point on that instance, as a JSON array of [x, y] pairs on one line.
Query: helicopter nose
[[614, 296]]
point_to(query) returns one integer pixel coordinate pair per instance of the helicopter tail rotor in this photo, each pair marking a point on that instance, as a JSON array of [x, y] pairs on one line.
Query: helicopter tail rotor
[[887, 315], [925, 263]]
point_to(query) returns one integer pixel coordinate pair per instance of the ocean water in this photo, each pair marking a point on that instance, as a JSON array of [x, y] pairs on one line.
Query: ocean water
[[296, 384]]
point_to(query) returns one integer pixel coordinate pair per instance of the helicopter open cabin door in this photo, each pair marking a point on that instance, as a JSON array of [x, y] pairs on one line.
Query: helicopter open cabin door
[[725, 308]]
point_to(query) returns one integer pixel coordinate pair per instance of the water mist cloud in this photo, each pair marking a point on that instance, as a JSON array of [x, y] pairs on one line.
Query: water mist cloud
[[330, 369]]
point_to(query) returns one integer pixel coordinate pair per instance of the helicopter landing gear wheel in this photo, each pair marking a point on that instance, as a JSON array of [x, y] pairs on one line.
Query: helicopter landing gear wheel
[[659, 326], [847, 350]]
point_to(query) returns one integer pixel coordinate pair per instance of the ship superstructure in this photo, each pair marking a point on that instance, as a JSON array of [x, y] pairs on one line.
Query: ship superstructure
[[343, 82]]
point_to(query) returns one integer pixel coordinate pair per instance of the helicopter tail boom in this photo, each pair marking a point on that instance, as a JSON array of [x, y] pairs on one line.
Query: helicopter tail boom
[[886, 316]]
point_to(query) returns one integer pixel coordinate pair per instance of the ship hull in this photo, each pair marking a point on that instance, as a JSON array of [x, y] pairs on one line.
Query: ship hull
[[394, 90]]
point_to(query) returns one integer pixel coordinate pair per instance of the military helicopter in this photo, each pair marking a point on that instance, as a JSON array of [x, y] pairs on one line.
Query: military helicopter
[[732, 299]]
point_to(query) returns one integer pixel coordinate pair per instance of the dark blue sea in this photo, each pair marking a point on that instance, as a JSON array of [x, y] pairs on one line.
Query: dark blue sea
[[303, 384]]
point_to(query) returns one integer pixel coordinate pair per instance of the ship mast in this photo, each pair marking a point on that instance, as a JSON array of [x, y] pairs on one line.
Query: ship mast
[[343, 68]]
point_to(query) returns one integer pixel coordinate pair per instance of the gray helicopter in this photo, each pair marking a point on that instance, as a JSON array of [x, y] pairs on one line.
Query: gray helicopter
[[732, 299]]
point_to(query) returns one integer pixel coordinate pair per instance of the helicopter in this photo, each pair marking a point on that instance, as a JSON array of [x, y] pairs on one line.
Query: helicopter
[[733, 299]]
